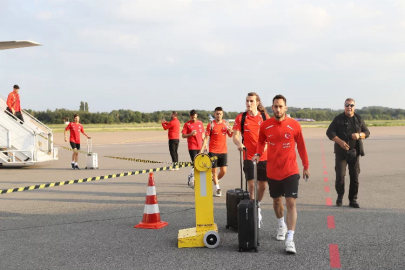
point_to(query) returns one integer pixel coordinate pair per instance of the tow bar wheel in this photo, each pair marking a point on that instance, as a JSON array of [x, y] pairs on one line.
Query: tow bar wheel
[[211, 239]]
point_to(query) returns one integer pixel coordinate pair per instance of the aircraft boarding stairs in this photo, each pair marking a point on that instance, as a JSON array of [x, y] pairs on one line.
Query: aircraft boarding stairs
[[24, 143]]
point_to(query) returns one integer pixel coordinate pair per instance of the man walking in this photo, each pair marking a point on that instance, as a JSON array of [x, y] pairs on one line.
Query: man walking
[[348, 131], [174, 134], [216, 134], [247, 125], [75, 128], [193, 130], [13, 103], [281, 134]]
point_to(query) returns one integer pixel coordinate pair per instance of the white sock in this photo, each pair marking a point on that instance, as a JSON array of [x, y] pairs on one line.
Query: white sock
[[73, 162], [217, 186], [281, 222], [76, 164], [290, 236], [258, 204]]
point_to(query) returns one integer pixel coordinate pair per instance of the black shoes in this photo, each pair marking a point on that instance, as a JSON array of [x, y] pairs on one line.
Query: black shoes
[[339, 201], [73, 166], [354, 204], [77, 167]]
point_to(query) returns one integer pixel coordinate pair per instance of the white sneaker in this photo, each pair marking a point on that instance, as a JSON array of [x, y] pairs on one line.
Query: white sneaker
[[190, 182], [281, 232], [290, 247], [218, 193], [259, 213], [171, 169], [176, 169]]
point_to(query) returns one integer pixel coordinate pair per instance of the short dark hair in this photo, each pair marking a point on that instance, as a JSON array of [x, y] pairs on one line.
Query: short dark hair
[[174, 113], [350, 99], [192, 112], [280, 97], [16, 87], [218, 109], [74, 116]]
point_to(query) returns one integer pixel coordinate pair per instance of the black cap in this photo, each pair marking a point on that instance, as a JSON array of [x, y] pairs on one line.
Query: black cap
[[16, 87]]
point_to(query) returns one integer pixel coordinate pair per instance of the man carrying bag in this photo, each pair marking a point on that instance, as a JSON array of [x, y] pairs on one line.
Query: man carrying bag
[[348, 130]]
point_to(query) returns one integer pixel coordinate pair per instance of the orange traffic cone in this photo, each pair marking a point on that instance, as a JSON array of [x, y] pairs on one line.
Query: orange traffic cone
[[151, 215]]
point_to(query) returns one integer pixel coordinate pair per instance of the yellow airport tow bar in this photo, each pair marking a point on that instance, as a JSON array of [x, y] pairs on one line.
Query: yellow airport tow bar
[[206, 231]]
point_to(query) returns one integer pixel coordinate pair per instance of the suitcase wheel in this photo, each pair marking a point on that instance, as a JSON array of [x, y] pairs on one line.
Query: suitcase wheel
[[211, 239]]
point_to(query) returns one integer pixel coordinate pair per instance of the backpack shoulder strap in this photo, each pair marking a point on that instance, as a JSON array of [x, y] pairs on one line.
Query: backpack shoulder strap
[[242, 124], [264, 116]]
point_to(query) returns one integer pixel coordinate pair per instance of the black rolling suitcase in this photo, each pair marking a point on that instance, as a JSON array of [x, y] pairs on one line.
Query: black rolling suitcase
[[233, 198], [248, 232]]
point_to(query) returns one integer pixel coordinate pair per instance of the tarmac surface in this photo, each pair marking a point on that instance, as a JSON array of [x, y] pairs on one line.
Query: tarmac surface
[[91, 225]]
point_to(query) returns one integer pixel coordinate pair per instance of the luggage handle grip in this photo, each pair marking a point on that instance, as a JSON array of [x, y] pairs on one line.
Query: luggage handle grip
[[89, 146]]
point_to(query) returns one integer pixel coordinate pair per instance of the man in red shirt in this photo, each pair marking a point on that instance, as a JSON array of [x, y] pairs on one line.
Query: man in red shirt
[[174, 134], [193, 130], [216, 133], [281, 134], [13, 103], [248, 124], [75, 128]]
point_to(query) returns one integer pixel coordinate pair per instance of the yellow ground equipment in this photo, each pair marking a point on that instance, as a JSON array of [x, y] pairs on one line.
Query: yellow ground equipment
[[206, 231]]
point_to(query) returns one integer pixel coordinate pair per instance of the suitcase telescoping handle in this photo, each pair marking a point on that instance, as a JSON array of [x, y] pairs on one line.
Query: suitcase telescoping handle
[[89, 146], [256, 207], [241, 169]]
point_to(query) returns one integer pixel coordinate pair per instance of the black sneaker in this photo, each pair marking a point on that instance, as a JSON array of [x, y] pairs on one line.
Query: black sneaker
[[354, 204], [73, 166], [339, 201], [77, 167]]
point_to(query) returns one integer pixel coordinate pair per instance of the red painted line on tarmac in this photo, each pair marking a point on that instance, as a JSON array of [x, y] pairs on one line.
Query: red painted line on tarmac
[[331, 222], [327, 189], [324, 166], [325, 172], [326, 179], [328, 201], [334, 256]]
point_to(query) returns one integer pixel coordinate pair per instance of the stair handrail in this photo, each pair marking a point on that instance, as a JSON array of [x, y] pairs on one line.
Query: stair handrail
[[32, 117]]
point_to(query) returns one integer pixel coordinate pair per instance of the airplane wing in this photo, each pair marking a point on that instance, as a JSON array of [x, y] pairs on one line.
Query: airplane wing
[[4, 45]]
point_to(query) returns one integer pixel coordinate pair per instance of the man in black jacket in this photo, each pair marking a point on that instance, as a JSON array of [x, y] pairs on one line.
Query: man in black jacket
[[348, 130]]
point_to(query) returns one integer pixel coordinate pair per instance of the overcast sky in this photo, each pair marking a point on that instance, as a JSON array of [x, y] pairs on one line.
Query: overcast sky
[[162, 55]]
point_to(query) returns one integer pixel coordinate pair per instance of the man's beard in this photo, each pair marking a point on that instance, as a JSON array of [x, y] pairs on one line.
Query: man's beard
[[278, 117]]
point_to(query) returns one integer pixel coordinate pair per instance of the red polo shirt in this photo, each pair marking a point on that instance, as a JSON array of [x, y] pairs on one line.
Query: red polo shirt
[[218, 137], [194, 142], [75, 130], [251, 133]]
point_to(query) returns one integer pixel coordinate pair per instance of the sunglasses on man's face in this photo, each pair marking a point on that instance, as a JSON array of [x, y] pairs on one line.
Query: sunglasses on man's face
[[349, 105]]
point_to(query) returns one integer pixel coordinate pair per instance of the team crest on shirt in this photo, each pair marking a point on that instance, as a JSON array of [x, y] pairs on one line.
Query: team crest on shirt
[[287, 135], [224, 130]]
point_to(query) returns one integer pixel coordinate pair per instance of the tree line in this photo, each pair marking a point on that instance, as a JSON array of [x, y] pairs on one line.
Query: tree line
[[59, 116]]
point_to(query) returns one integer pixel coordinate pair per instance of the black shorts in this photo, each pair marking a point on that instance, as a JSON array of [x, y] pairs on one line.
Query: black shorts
[[75, 145], [193, 153], [288, 187], [222, 160], [261, 170]]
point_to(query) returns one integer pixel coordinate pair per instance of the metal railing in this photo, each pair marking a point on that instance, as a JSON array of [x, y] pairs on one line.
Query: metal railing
[[30, 116]]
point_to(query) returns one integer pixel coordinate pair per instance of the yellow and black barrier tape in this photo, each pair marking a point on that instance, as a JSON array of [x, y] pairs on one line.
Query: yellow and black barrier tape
[[89, 179], [64, 147], [147, 161]]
